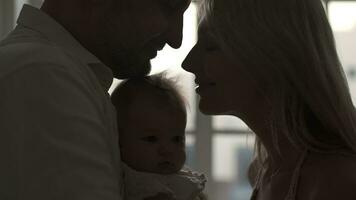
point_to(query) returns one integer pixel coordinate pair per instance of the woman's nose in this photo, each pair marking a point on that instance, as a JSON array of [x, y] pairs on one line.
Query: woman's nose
[[189, 60]]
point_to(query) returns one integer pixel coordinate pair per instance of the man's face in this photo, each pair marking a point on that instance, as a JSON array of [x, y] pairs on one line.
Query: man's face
[[132, 31]]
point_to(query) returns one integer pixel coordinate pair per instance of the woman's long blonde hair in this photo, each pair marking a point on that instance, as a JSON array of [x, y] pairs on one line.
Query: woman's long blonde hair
[[289, 43]]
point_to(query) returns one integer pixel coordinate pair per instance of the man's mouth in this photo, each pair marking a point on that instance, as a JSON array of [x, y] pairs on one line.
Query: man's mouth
[[154, 48], [159, 47], [152, 54]]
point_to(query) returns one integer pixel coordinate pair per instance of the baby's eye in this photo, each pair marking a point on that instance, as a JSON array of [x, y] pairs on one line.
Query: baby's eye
[[179, 139], [150, 139]]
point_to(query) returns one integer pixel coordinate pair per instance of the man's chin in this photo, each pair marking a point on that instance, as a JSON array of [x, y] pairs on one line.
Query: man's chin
[[132, 71]]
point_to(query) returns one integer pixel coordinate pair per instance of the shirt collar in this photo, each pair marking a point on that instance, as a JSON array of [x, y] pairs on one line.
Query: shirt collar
[[39, 21]]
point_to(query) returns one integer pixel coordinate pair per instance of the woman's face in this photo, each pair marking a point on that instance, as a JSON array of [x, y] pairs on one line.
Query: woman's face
[[222, 82]]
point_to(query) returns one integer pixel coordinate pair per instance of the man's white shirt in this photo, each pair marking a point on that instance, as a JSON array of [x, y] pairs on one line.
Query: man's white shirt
[[58, 134]]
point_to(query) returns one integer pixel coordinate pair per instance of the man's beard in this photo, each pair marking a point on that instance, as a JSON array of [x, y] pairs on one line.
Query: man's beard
[[124, 62], [129, 65]]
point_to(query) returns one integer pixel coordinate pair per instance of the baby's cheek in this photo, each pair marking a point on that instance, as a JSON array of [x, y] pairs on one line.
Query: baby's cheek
[[182, 158]]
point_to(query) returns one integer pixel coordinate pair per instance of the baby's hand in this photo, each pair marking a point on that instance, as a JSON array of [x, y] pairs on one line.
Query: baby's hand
[[161, 196]]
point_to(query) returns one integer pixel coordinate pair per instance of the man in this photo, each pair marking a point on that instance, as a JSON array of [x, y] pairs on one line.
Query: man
[[58, 136]]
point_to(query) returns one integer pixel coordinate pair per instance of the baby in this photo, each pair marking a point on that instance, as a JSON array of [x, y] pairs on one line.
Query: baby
[[151, 122]]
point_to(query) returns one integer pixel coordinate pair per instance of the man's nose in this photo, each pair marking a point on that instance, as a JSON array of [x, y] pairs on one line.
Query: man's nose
[[175, 32]]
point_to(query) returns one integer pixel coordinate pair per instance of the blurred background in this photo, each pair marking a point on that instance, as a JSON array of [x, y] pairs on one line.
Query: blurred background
[[221, 147]]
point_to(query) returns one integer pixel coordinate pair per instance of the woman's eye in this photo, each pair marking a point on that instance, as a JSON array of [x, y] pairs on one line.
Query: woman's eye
[[211, 48], [208, 42], [150, 139]]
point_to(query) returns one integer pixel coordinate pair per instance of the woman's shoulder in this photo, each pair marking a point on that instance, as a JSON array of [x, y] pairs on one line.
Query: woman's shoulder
[[330, 176]]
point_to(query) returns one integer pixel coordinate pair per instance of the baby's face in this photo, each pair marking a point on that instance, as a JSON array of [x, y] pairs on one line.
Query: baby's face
[[154, 139]]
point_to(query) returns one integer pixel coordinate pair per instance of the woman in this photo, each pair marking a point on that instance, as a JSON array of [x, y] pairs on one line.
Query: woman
[[273, 64]]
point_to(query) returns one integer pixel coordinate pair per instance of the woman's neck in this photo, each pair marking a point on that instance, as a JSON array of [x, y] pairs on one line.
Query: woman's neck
[[282, 154]]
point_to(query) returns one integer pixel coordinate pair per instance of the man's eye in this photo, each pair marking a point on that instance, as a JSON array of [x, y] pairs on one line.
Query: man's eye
[[150, 139]]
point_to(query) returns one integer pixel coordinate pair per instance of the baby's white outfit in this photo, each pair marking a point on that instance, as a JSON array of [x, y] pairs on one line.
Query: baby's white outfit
[[184, 185]]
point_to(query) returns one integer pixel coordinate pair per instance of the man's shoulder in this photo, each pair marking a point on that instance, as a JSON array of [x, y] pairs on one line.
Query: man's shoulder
[[20, 52], [30, 50], [31, 46]]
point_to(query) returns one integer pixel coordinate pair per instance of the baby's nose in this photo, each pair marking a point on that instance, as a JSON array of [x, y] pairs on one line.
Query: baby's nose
[[165, 150]]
